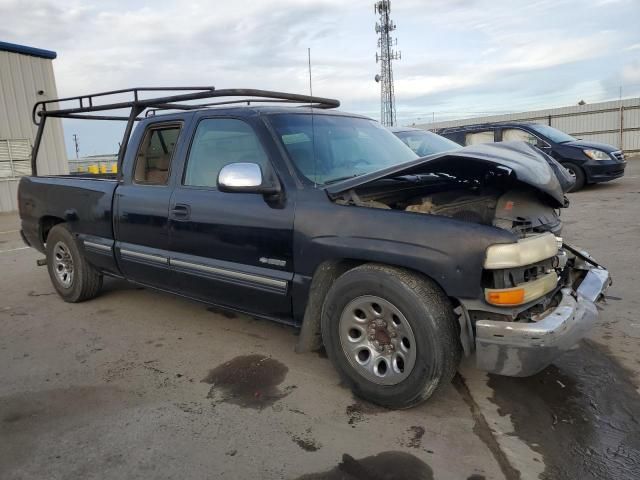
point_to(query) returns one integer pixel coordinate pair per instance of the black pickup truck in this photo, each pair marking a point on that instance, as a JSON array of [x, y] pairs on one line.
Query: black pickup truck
[[324, 220]]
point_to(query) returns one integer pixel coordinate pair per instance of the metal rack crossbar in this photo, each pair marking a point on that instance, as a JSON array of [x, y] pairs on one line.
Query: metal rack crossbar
[[86, 105]]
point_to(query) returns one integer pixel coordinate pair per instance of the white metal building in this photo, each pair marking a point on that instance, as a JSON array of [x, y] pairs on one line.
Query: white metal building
[[26, 76], [616, 122]]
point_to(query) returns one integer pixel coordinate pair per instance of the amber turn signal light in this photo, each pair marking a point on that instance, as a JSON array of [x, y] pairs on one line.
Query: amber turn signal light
[[506, 297]]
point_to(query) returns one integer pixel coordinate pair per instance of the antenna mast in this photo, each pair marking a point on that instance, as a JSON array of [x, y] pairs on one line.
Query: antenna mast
[[385, 56]]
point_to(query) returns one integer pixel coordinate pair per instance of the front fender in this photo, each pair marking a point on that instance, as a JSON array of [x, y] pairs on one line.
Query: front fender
[[451, 252]]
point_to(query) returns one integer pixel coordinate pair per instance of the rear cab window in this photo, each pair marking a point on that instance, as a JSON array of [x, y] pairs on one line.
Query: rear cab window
[[155, 153], [484, 136], [519, 135]]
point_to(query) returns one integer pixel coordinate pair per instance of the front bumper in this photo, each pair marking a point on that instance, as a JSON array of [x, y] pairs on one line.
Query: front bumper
[[604, 171], [523, 349]]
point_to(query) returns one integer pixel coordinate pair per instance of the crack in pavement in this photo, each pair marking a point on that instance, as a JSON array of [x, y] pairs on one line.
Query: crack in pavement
[[484, 432]]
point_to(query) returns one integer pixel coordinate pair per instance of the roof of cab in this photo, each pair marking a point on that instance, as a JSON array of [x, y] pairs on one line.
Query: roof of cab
[[247, 110], [406, 129], [476, 126]]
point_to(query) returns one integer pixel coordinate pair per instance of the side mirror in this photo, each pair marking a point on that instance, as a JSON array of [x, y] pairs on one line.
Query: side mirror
[[246, 178]]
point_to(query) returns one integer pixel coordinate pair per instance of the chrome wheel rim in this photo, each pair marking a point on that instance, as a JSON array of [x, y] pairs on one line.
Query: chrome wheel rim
[[63, 264], [377, 340], [571, 172]]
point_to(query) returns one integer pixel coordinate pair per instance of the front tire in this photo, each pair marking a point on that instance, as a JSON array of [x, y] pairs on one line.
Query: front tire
[[391, 334], [72, 276], [577, 174]]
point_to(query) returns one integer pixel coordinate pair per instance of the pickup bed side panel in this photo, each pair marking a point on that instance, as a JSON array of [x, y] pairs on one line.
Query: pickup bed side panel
[[451, 252], [85, 204]]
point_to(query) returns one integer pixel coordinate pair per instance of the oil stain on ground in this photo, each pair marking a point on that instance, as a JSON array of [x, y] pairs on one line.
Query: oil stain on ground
[[416, 433], [384, 466], [248, 381], [582, 414], [358, 411]]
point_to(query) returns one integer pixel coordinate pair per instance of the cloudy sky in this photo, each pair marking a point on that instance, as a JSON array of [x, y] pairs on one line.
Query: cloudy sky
[[459, 57]]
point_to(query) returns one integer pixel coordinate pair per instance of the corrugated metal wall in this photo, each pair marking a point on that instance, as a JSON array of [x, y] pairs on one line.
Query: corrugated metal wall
[[21, 76], [616, 122]]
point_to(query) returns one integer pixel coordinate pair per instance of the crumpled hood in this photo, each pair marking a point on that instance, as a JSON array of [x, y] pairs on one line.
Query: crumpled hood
[[529, 165]]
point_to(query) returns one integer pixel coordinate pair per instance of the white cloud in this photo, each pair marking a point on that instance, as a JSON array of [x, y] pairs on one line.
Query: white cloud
[[631, 74]]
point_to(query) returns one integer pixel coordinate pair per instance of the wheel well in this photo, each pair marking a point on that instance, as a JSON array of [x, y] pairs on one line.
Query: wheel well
[[325, 275], [46, 224]]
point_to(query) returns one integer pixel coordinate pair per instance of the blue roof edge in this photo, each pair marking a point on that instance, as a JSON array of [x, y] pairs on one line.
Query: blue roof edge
[[25, 50]]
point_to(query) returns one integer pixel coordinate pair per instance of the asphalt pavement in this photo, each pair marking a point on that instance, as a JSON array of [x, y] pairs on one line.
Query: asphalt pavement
[[138, 384]]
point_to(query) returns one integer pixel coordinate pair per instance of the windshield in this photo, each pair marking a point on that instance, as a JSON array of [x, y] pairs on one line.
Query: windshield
[[328, 148], [426, 143], [552, 134]]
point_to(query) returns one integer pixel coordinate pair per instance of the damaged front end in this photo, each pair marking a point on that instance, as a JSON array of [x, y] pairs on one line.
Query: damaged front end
[[539, 307], [509, 185], [539, 293]]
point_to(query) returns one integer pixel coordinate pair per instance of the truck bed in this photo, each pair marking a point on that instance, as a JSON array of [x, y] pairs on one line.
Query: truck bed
[[85, 202]]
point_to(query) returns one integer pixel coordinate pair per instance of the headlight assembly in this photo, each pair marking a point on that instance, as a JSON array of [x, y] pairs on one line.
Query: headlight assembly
[[597, 154]]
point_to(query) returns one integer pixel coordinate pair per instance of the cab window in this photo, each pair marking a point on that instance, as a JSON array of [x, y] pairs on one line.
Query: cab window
[[219, 142], [153, 160], [486, 136], [518, 135]]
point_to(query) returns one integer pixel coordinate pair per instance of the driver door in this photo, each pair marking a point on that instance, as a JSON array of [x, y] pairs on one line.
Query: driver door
[[230, 249]]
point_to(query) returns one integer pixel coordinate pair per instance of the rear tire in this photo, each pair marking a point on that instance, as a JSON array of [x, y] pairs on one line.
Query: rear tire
[[372, 307], [577, 174], [72, 276]]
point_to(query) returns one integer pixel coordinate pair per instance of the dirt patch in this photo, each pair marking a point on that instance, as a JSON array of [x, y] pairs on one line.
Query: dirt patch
[[224, 313], [24, 417], [416, 433], [306, 443], [357, 412], [582, 414], [33, 293], [248, 381], [384, 466]]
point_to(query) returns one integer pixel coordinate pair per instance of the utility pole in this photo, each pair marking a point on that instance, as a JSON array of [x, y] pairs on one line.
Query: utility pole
[[75, 141], [385, 56]]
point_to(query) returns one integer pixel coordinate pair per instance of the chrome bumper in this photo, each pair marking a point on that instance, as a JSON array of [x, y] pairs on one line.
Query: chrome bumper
[[523, 349]]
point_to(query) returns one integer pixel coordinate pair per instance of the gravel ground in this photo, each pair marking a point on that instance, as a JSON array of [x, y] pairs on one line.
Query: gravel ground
[[139, 384]]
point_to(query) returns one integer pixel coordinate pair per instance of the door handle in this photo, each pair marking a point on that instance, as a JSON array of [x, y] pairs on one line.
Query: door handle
[[181, 211]]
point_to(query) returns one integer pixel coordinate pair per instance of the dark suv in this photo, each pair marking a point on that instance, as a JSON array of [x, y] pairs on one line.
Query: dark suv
[[588, 162]]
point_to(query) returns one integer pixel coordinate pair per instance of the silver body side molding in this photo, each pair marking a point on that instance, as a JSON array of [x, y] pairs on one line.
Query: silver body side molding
[[266, 281]]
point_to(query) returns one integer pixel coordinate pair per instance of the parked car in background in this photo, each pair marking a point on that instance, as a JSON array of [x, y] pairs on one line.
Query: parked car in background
[[587, 162], [423, 142]]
